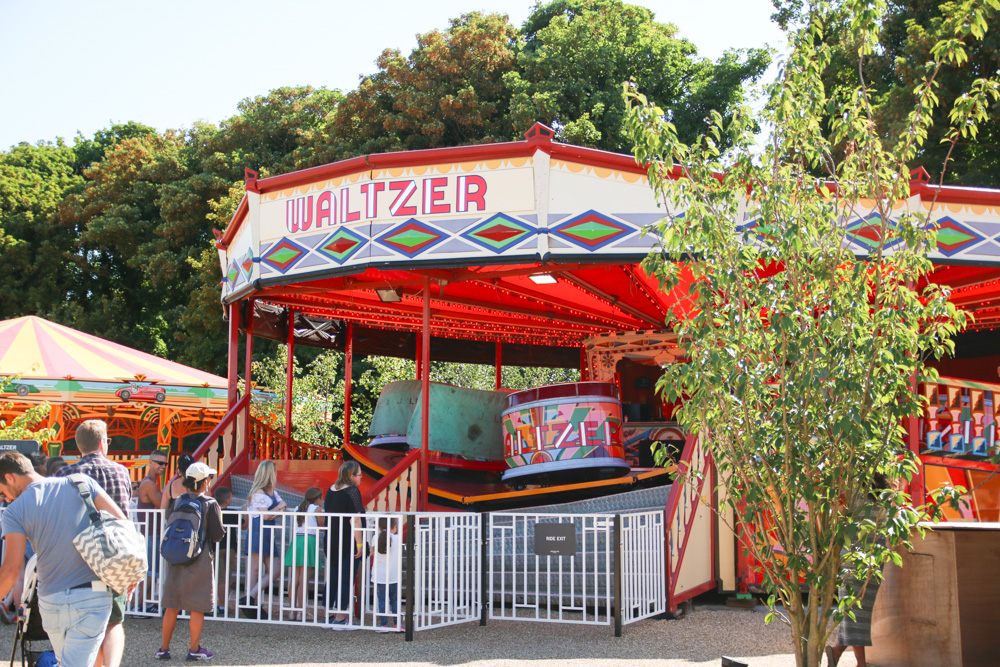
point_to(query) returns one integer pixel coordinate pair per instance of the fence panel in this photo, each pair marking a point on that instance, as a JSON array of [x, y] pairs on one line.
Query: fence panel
[[291, 572], [524, 585], [447, 569], [644, 585]]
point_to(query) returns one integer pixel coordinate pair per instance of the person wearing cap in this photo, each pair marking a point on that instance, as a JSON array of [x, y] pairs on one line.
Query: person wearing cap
[[192, 586]]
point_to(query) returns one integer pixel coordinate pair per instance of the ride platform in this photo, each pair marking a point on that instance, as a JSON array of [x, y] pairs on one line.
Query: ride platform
[[446, 492]]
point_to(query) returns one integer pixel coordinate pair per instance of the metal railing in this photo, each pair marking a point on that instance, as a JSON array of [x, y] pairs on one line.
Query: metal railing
[[431, 570], [446, 573], [601, 568], [289, 573]]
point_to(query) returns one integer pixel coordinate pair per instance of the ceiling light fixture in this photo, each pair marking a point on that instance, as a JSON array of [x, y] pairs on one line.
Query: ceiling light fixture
[[543, 279], [389, 295]]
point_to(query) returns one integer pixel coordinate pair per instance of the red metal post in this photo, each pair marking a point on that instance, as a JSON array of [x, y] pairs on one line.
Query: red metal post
[[419, 355], [499, 365], [234, 354], [425, 386], [918, 490], [583, 365], [247, 382], [348, 370], [288, 386]]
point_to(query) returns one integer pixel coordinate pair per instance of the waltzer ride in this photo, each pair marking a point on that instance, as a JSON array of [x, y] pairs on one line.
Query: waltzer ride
[[528, 253]]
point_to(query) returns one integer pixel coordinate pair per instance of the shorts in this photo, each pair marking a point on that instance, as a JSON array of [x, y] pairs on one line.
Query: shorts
[[75, 621], [301, 552], [118, 609], [262, 537]]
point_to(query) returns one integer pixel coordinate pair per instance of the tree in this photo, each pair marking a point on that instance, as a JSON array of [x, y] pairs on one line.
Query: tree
[[908, 31], [576, 54], [34, 182], [447, 92], [800, 357]]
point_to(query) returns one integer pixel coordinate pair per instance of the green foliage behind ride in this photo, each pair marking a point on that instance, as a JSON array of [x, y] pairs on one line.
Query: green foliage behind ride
[[113, 234]]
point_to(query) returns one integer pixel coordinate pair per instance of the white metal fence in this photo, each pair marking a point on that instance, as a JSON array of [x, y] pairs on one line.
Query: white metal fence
[[285, 571], [643, 558], [447, 569], [593, 569], [437, 569]]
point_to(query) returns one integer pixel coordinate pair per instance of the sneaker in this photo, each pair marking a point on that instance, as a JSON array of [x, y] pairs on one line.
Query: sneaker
[[220, 611], [342, 626], [151, 609], [162, 654], [384, 628], [200, 654]]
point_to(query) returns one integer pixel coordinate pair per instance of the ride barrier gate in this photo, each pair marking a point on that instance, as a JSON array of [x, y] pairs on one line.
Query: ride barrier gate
[[449, 568]]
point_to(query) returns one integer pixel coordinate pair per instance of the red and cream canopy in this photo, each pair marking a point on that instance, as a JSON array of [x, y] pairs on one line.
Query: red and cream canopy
[[528, 242]]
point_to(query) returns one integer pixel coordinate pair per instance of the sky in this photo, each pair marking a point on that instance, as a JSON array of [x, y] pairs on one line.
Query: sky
[[81, 66]]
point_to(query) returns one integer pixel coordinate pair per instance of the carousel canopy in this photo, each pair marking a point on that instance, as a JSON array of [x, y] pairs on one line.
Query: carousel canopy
[[533, 242], [60, 364]]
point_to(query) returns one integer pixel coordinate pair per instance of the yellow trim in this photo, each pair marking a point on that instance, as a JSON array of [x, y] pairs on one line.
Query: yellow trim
[[618, 481]]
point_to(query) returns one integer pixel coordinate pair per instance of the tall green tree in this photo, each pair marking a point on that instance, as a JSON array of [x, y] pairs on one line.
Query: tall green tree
[[908, 31], [800, 358], [34, 247], [575, 54], [447, 92]]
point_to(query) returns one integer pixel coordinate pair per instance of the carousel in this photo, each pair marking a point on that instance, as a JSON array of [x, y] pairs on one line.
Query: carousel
[[148, 402], [529, 253]]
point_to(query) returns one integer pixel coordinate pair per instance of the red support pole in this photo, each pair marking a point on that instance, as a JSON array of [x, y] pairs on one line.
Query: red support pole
[[499, 366], [583, 365], [918, 488], [425, 387], [348, 370], [247, 383], [234, 354], [288, 386], [419, 355]]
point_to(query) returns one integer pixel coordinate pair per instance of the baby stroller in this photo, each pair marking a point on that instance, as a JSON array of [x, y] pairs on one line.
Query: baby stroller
[[29, 633]]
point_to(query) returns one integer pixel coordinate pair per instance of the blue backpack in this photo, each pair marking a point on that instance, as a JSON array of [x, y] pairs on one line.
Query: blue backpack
[[184, 536]]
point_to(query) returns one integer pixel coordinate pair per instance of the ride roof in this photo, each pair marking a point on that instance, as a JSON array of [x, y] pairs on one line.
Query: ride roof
[[527, 243], [35, 348]]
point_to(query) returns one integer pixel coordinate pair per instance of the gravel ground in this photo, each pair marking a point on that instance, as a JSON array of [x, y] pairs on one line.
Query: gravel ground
[[700, 638]]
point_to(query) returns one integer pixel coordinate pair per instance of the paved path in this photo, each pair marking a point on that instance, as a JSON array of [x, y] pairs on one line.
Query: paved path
[[698, 639]]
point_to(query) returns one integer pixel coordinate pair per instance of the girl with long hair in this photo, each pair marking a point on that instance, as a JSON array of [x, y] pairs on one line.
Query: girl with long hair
[[301, 552], [265, 504]]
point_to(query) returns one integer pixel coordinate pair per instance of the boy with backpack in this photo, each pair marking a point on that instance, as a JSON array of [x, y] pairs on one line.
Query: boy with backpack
[[192, 528]]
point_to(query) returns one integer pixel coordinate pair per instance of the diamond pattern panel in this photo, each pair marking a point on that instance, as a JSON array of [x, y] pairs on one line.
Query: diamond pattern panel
[[591, 230], [498, 233], [953, 237], [342, 245], [246, 264], [867, 232], [283, 255], [412, 238]]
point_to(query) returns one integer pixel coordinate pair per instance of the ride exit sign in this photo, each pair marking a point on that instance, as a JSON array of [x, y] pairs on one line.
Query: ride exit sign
[[555, 539]]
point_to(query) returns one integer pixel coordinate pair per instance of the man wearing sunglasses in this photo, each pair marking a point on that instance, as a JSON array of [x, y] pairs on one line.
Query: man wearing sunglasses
[[149, 489], [149, 499]]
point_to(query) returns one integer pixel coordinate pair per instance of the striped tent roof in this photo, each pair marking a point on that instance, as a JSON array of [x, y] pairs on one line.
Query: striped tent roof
[[36, 348]]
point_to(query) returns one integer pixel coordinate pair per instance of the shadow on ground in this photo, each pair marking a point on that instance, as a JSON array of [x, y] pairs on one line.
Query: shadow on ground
[[700, 638]]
